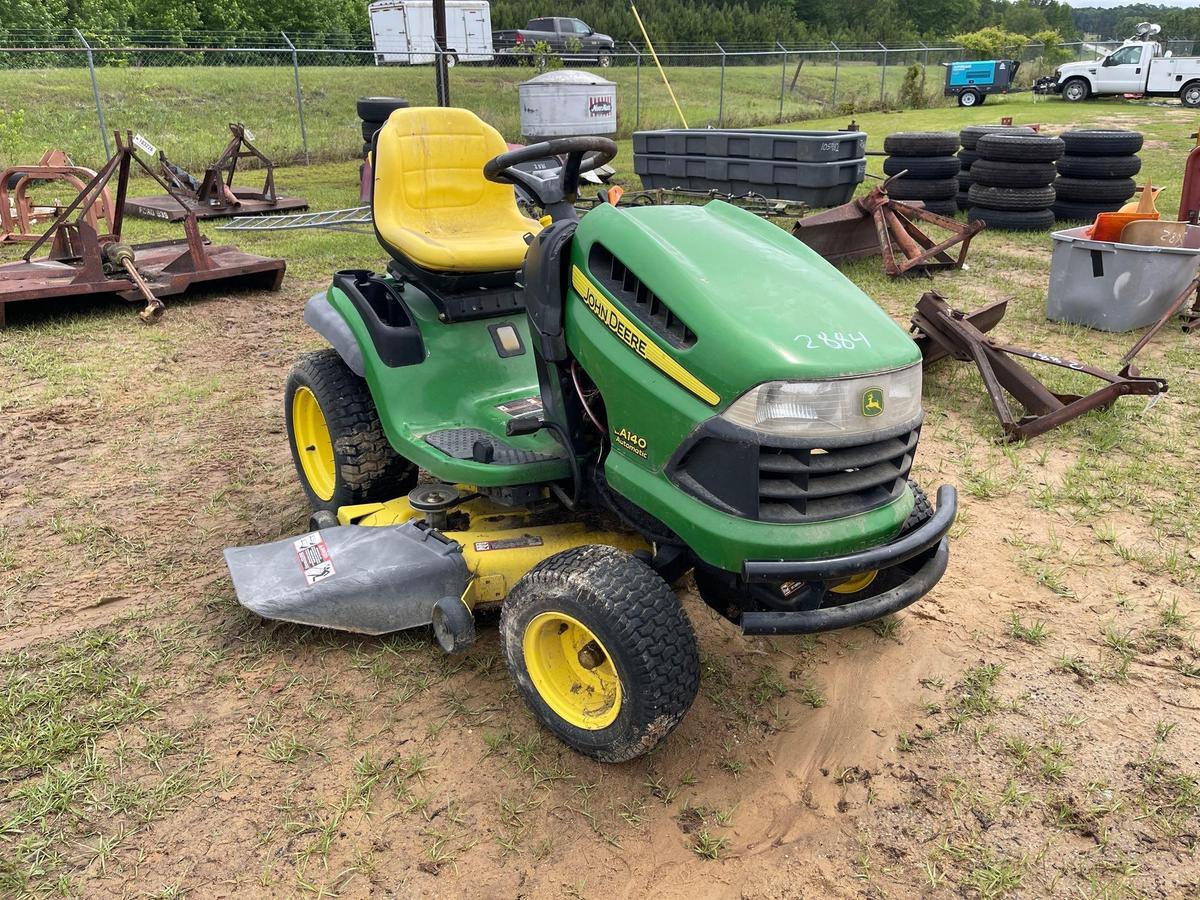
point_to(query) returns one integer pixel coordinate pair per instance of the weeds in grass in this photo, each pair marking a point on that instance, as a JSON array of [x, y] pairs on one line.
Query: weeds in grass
[[975, 698], [708, 846], [1034, 633], [886, 627]]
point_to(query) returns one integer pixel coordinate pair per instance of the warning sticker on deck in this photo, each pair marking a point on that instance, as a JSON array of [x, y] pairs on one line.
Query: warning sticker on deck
[[315, 561], [512, 543]]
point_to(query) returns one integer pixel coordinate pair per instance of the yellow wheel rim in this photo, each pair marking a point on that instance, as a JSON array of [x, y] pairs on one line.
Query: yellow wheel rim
[[856, 583], [572, 671], [313, 444]]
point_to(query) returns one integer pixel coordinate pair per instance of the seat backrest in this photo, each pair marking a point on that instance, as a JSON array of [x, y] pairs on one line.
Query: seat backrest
[[429, 171]]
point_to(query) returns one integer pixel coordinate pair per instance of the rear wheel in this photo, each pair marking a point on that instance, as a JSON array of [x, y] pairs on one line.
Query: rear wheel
[[601, 650], [1190, 95], [337, 441], [969, 98]]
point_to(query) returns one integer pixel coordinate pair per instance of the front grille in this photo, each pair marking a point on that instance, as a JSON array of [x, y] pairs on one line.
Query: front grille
[[788, 485]]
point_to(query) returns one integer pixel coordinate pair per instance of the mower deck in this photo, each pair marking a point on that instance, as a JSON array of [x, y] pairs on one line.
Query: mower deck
[[169, 268], [213, 195], [82, 261]]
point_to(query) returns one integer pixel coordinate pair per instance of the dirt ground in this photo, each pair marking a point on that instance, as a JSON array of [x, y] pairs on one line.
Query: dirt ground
[[1030, 728]]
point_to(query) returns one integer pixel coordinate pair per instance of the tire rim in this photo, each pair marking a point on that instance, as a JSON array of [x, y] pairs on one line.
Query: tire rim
[[1074, 92], [572, 671], [855, 583], [968, 99], [605, 62], [313, 444], [1192, 96]]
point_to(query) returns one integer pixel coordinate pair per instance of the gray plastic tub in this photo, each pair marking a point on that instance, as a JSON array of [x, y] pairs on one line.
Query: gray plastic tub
[[785, 146], [817, 184], [1113, 286]]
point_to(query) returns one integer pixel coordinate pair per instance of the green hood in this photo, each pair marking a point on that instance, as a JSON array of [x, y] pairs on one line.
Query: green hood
[[762, 305]]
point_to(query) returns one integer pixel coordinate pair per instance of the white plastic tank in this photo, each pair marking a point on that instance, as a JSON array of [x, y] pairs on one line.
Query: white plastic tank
[[567, 103]]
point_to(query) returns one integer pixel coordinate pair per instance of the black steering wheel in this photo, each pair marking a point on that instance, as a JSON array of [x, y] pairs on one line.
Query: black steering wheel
[[554, 195]]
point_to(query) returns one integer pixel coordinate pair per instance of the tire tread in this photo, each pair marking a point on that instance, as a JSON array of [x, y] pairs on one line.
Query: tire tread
[[647, 618], [368, 468]]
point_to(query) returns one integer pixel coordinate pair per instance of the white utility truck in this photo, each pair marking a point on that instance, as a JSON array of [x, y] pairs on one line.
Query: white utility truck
[[402, 31], [1138, 66]]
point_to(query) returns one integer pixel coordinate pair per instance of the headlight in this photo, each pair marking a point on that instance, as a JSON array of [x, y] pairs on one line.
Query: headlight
[[843, 407]]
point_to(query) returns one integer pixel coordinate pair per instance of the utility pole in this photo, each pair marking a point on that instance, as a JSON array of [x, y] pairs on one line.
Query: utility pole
[[439, 42]]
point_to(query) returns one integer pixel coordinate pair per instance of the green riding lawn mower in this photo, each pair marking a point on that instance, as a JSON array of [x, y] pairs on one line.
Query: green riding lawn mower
[[600, 406]]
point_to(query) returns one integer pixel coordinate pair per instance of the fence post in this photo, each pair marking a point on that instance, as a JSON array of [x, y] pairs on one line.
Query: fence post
[[721, 100], [782, 77], [926, 48], [299, 95], [95, 92], [837, 66], [637, 118], [882, 75]]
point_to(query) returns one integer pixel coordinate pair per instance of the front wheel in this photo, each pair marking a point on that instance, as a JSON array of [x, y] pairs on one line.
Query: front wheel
[[1075, 90], [604, 60], [341, 453], [969, 98], [1190, 95], [601, 651]]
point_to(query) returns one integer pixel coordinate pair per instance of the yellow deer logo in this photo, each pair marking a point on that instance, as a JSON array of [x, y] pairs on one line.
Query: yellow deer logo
[[872, 402]]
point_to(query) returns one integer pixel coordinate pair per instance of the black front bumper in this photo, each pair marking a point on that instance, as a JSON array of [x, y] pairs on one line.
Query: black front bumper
[[926, 546], [1047, 85]]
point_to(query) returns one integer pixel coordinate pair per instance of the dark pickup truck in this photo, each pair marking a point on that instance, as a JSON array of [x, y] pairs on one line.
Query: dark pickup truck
[[573, 38]]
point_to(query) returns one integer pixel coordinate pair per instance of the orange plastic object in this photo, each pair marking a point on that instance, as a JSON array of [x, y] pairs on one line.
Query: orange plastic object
[[1109, 225]]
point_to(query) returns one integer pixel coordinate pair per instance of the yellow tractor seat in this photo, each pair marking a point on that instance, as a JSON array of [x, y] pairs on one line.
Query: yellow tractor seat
[[432, 206]]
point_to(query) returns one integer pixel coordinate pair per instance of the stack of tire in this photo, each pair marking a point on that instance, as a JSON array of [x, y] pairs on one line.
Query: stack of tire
[[1013, 181], [1096, 172], [930, 166], [374, 111], [968, 137]]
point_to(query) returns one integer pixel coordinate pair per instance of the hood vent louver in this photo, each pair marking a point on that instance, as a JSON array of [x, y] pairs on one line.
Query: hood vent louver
[[647, 306]]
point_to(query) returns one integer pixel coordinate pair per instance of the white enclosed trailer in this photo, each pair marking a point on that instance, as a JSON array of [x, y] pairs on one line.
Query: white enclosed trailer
[[402, 31]]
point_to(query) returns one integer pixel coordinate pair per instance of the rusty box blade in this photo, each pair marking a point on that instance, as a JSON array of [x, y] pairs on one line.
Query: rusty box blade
[[878, 225], [944, 331]]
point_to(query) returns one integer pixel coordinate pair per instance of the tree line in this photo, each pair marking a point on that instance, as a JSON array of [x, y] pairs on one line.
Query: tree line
[[1118, 22], [669, 21]]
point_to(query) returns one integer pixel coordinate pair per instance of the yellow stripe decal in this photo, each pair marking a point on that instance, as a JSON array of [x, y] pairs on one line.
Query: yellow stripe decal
[[637, 341]]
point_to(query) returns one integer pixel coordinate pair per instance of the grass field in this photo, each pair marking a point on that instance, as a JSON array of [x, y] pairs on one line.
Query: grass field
[[1028, 729], [184, 110]]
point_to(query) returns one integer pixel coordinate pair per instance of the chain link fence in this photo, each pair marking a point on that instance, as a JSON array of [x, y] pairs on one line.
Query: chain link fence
[[297, 91]]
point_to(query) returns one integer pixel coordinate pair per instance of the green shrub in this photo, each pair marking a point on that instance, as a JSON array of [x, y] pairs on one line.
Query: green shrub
[[992, 43], [912, 90]]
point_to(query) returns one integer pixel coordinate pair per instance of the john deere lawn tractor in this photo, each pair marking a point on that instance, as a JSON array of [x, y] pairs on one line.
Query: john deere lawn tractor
[[599, 407]]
